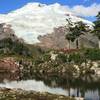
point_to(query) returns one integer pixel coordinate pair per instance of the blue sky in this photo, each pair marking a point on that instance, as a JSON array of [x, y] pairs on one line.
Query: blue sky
[[9, 5]]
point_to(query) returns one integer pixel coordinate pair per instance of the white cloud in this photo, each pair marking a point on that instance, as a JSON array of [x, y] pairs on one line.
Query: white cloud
[[81, 10]]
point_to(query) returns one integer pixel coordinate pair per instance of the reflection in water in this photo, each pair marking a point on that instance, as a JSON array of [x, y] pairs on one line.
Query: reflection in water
[[32, 85], [87, 87], [40, 86], [8, 76]]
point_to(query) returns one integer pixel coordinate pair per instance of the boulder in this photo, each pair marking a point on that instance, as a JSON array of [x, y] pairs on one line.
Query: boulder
[[8, 65]]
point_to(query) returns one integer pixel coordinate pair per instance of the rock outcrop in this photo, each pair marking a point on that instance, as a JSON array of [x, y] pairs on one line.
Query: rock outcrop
[[6, 31], [9, 69], [57, 40], [8, 64]]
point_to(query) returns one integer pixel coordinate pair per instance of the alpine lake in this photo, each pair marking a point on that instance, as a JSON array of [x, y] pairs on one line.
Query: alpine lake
[[87, 87]]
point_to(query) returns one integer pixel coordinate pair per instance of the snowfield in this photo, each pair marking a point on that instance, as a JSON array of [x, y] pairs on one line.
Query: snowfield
[[35, 19]]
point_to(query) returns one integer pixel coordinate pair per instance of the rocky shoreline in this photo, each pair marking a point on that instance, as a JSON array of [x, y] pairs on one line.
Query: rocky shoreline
[[18, 94]]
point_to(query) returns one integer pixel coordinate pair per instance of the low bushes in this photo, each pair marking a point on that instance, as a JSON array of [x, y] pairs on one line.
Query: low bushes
[[92, 54]]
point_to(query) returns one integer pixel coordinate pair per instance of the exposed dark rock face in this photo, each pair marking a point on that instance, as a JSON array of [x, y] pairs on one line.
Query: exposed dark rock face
[[7, 32], [57, 40]]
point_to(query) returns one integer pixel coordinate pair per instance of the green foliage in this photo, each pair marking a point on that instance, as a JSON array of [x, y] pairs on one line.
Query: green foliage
[[98, 15], [80, 56], [10, 47], [92, 54], [62, 58], [84, 55], [70, 37], [96, 30], [42, 58], [38, 61], [77, 58], [46, 57], [76, 31]]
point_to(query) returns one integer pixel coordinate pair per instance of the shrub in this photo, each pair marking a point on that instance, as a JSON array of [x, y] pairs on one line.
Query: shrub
[[46, 57], [62, 58], [92, 54], [14, 47], [77, 58]]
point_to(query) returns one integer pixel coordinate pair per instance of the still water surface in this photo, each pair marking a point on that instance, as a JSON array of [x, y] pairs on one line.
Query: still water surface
[[42, 87]]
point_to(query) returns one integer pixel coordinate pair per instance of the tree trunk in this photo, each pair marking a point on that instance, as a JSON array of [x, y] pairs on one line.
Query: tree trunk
[[77, 44], [82, 93], [78, 92], [69, 92]]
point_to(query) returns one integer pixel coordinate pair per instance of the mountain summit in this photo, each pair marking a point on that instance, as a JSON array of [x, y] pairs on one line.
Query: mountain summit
[[35, 19]]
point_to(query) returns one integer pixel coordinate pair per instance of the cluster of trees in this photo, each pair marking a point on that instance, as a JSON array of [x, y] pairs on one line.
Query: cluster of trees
[[8, 46], [80, 28]]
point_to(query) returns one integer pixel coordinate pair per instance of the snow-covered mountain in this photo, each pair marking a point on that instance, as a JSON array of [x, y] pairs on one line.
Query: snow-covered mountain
[[35, 19]]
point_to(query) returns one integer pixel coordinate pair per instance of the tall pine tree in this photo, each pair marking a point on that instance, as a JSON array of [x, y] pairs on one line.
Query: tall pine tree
[[96, 30]]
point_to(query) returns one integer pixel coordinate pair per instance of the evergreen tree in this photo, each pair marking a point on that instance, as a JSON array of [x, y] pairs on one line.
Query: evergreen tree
[[75, 31], [79, 29], [96, 30], [70, 37]]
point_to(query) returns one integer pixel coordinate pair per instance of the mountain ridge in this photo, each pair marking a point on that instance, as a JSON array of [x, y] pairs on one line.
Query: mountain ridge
[[36, 19]]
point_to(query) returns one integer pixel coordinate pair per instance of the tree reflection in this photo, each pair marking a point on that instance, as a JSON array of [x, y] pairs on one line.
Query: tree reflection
[[81, 84]]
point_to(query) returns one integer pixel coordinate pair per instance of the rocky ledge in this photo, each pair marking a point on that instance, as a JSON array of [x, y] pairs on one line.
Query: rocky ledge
[[17, 94]]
